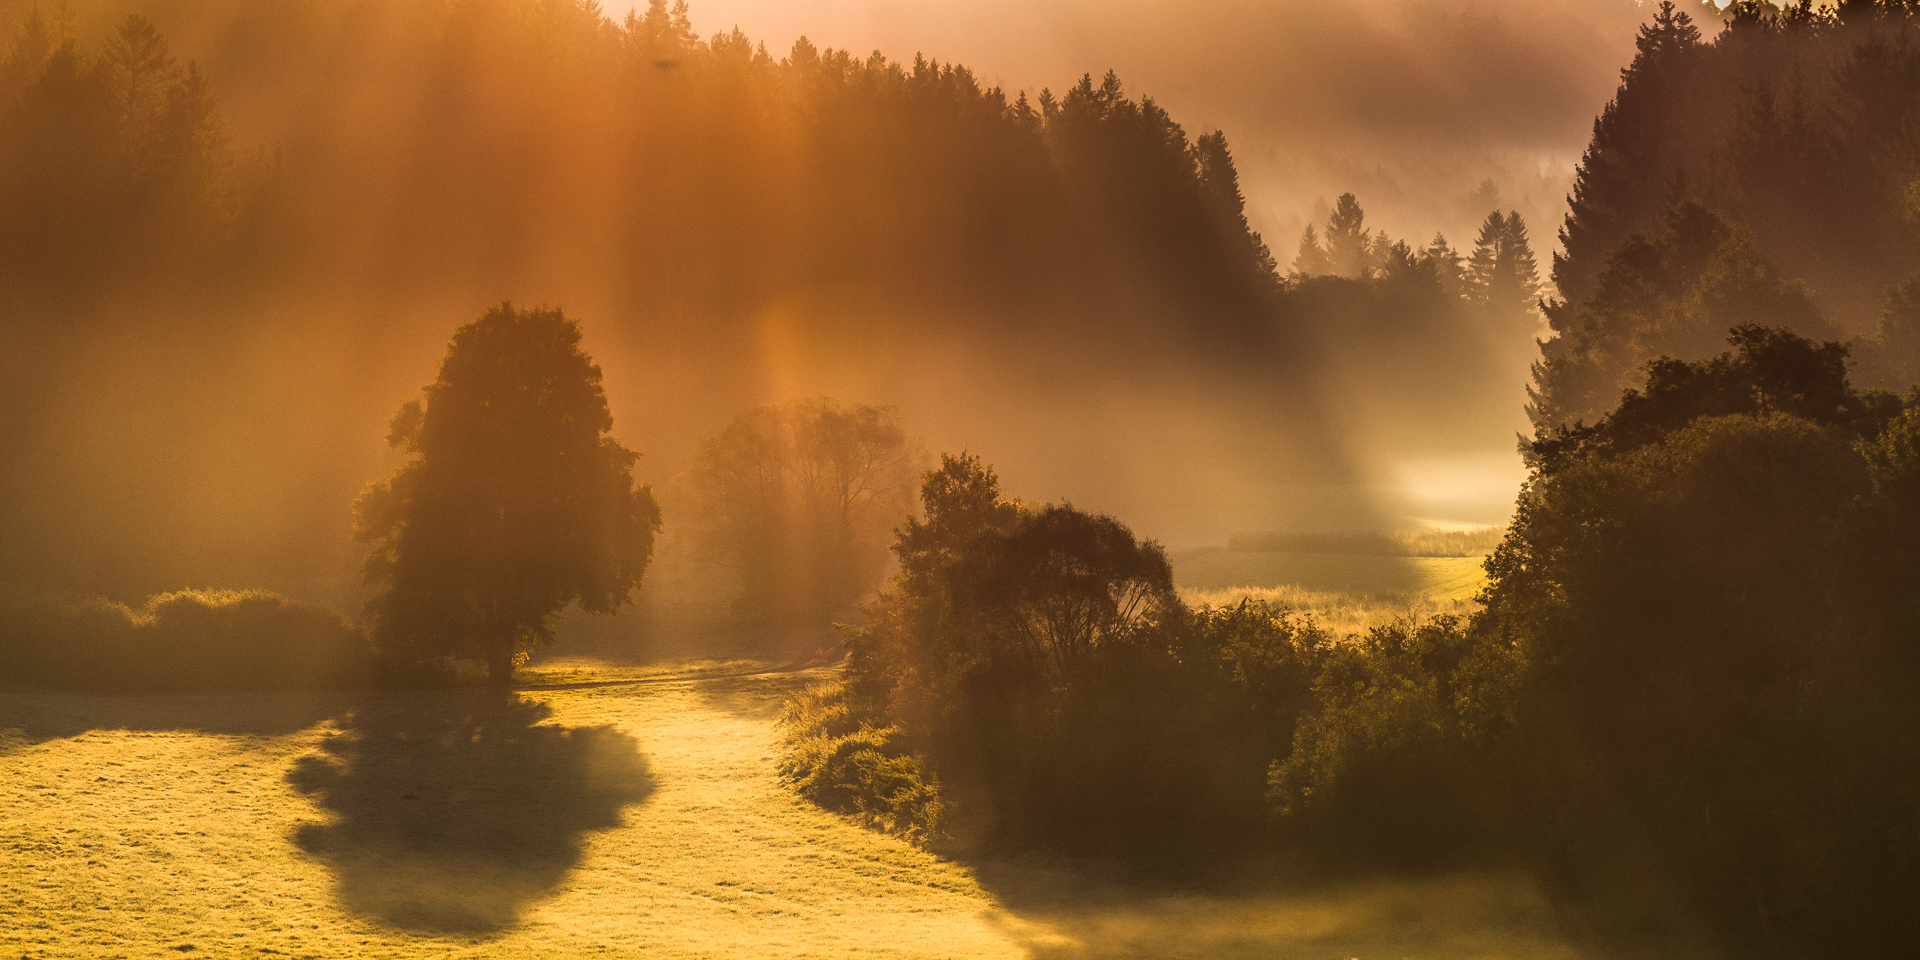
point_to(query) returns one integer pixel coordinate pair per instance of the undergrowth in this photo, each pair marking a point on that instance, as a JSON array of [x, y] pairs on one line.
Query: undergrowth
[[184, 640], [838, 758]]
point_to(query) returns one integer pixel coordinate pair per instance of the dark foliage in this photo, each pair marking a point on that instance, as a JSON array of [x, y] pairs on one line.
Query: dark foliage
[[1672, 295], [185, 641], [1771, 371], [1686, 698], [516, 504], [1685, 704], [799, 498], [1788, 139], [1033, 678]]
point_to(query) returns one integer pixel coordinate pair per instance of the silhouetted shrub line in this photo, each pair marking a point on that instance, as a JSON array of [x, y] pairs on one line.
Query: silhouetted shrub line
[[187, 640]]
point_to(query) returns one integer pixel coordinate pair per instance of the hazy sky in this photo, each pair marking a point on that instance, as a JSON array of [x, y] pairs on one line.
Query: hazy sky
[[1411, 104]]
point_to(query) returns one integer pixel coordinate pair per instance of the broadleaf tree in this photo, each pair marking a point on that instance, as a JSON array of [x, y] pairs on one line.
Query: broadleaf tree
[[801, 498], [516, 503]]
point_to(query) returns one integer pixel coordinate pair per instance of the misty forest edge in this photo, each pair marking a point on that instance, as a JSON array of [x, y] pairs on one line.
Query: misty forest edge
[[1684, 698]]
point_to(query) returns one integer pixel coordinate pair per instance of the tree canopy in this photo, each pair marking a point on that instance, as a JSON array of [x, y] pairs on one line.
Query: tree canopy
[[1763, 175], [516, 502], [800, 498]]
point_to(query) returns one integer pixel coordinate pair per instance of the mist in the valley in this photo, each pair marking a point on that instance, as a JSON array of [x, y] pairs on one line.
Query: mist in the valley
[[208, 352], [205, 366], [1378, 476]]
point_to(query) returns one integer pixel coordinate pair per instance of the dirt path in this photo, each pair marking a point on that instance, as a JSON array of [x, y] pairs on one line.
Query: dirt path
[[636, 816]]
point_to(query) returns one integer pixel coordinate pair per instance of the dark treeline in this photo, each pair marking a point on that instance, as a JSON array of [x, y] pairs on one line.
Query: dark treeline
[[1766, 175], [1429, 334], [210, 288], [497, 140]]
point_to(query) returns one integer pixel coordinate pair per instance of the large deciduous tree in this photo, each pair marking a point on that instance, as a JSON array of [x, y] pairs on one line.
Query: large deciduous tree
[[516, 503], [801, 498]]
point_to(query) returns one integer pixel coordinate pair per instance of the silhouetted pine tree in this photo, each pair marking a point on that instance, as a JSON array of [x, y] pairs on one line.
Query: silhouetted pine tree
[[1312, 259], [1516, 277], [1220, 192], [1635, 148], [1349, 244], [1448, 265], [1484, 262]]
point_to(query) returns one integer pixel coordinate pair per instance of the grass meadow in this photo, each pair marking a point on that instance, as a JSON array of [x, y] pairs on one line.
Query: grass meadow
[[617, 810], [1439, 578], [1348, 584]]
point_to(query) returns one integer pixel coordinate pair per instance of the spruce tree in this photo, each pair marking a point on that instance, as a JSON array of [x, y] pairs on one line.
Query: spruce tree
[[1485, 262], [1618, 187], [1516, 286], [1312, 260], [1349, 244], [1448, 265], [1220, 190]]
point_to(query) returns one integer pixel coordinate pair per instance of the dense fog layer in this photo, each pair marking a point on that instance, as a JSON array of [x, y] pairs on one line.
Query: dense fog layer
[[228, 274]]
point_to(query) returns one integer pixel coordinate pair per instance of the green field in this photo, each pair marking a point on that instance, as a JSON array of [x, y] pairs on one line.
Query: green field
[[1440, 578], [616, 812]]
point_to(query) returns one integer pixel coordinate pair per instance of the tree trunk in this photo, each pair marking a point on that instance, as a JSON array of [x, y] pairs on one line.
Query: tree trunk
[[500, 665]]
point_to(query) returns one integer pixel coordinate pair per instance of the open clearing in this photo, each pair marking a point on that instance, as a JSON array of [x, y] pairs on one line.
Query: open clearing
[[616, 814], [1438, 578]]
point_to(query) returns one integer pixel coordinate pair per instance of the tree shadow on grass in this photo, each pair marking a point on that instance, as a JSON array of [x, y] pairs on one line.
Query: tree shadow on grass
[[1059, 913], [454, 812], [28, 717]]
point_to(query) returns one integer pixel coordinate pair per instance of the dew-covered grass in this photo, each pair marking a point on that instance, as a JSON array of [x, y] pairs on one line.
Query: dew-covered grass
[[619, 811]]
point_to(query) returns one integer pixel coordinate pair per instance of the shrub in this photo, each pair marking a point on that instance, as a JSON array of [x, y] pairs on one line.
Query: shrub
[[1392, 763], [1037, 666], [186, 640], [839, 758]]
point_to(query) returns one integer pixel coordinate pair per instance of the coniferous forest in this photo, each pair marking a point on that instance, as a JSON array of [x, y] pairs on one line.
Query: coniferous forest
[[235, 235]]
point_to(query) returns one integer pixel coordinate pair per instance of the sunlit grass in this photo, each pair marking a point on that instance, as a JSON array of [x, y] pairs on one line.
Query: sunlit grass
[[1340, 612], [650, 821], [1476, 542], [1445, 578]]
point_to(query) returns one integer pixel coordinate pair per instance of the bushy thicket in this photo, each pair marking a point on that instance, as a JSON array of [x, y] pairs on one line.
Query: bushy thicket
[[181, 641], [839, 759], [1032, 676], [1686, 701]]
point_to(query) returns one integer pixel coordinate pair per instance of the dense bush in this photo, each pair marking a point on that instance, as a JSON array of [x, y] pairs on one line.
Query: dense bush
[[1032, 676], [186, 640], [1687, 699], [837, 758], [1395, 760]]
